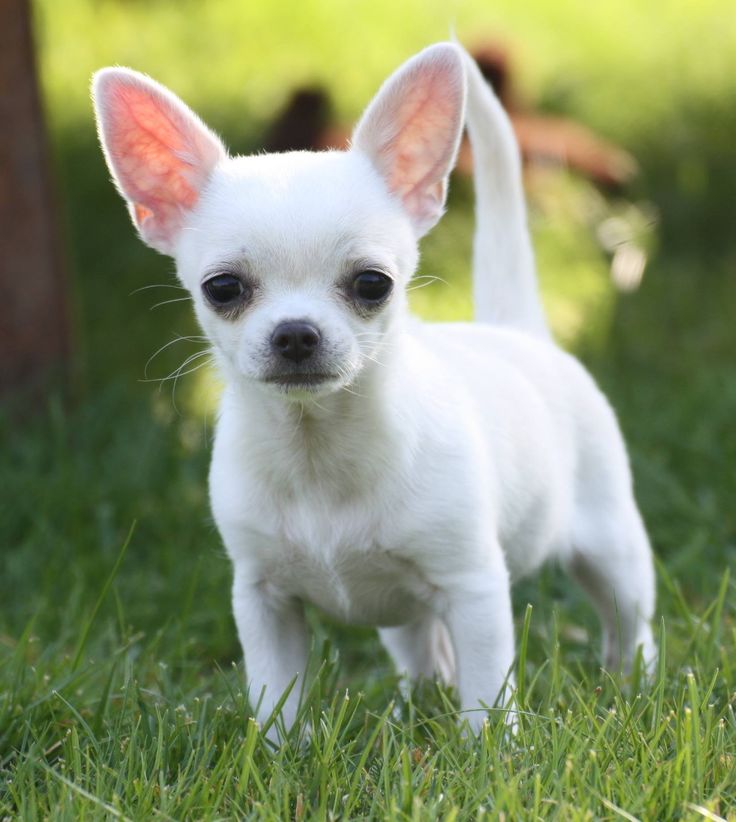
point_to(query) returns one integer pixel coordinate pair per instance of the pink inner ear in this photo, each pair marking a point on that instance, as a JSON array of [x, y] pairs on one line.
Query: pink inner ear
[[422, 149], [158, 150], [141, 213], [412, 128], [149, 148]]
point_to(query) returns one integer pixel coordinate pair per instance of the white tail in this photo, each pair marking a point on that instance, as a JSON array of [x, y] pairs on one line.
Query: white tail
[[504, 276]]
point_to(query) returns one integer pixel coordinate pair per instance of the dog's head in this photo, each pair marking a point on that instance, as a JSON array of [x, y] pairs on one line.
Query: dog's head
[[297, 263]]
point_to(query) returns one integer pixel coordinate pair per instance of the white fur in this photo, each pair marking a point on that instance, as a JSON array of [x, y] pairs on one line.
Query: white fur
[[442, 461]]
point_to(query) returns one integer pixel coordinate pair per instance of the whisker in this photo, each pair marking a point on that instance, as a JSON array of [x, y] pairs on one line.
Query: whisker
[[195, 338], [157, 285], [178, 372], [344, 374], [349, 390], [373, 359], [431, 278], [204, 363], [424, 285], [166, 302], [321, 407]]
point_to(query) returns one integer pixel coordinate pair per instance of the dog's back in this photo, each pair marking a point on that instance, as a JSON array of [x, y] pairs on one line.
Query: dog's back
[[570, 445]]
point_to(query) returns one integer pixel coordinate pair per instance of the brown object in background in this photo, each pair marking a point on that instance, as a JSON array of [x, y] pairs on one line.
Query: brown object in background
[[34, 324], [304, 123], [544, 139], [306, 115]]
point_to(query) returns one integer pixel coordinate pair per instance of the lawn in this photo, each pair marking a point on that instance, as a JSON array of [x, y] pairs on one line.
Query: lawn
[[121, 682]]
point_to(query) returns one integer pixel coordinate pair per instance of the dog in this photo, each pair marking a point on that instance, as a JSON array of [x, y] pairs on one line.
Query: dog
[[394, 473]]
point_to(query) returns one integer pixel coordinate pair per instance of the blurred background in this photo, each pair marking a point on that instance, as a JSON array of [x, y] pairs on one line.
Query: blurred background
[[626, 112]]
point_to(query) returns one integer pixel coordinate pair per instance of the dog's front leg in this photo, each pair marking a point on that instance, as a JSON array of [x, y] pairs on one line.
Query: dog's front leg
[[273, 635], [481, 627]]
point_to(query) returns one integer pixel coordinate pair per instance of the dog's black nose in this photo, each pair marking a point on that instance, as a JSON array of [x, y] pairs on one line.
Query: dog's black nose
[[295, 340]]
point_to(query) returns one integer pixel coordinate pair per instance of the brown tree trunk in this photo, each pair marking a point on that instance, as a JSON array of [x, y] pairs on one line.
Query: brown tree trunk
[[34, 322]]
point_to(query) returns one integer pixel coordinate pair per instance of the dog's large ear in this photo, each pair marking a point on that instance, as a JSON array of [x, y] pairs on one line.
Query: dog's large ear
[[160, 153], [411, 130]]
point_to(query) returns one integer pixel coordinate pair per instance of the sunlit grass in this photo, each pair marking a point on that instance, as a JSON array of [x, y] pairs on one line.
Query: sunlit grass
[[657, 79], [114, 716], [222, 54]]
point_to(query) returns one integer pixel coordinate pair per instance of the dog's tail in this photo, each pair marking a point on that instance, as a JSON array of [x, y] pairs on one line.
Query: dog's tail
[[504, 276]]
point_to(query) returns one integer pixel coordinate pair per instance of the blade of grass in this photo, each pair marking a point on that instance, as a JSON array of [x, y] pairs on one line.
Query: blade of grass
[[84, 636]]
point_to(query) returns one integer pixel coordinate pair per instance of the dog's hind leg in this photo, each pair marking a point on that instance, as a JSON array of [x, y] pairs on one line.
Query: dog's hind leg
[[612, 561], [421, 649]]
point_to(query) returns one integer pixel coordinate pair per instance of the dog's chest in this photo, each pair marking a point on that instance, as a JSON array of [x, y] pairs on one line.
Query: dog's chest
[[322, 514], [344, 557], [372, 587]]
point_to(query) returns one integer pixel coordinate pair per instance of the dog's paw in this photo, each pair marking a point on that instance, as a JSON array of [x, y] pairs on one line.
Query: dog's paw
[[482, 721]]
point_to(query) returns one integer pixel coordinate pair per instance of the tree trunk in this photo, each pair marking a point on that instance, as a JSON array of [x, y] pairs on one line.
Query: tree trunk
[[34, 321]]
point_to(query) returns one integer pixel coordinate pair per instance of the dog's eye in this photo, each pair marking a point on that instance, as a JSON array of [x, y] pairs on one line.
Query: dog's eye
[[372, 286], [225, 289]]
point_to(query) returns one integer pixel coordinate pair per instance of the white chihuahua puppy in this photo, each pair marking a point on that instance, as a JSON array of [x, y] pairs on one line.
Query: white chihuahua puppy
[[393, 473]]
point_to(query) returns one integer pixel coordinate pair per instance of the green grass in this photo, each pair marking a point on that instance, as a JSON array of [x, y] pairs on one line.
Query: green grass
[[134, 709], [121, 686], [139, 733]]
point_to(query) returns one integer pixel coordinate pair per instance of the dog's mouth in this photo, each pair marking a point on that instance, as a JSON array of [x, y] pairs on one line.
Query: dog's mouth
[[302, 382]]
